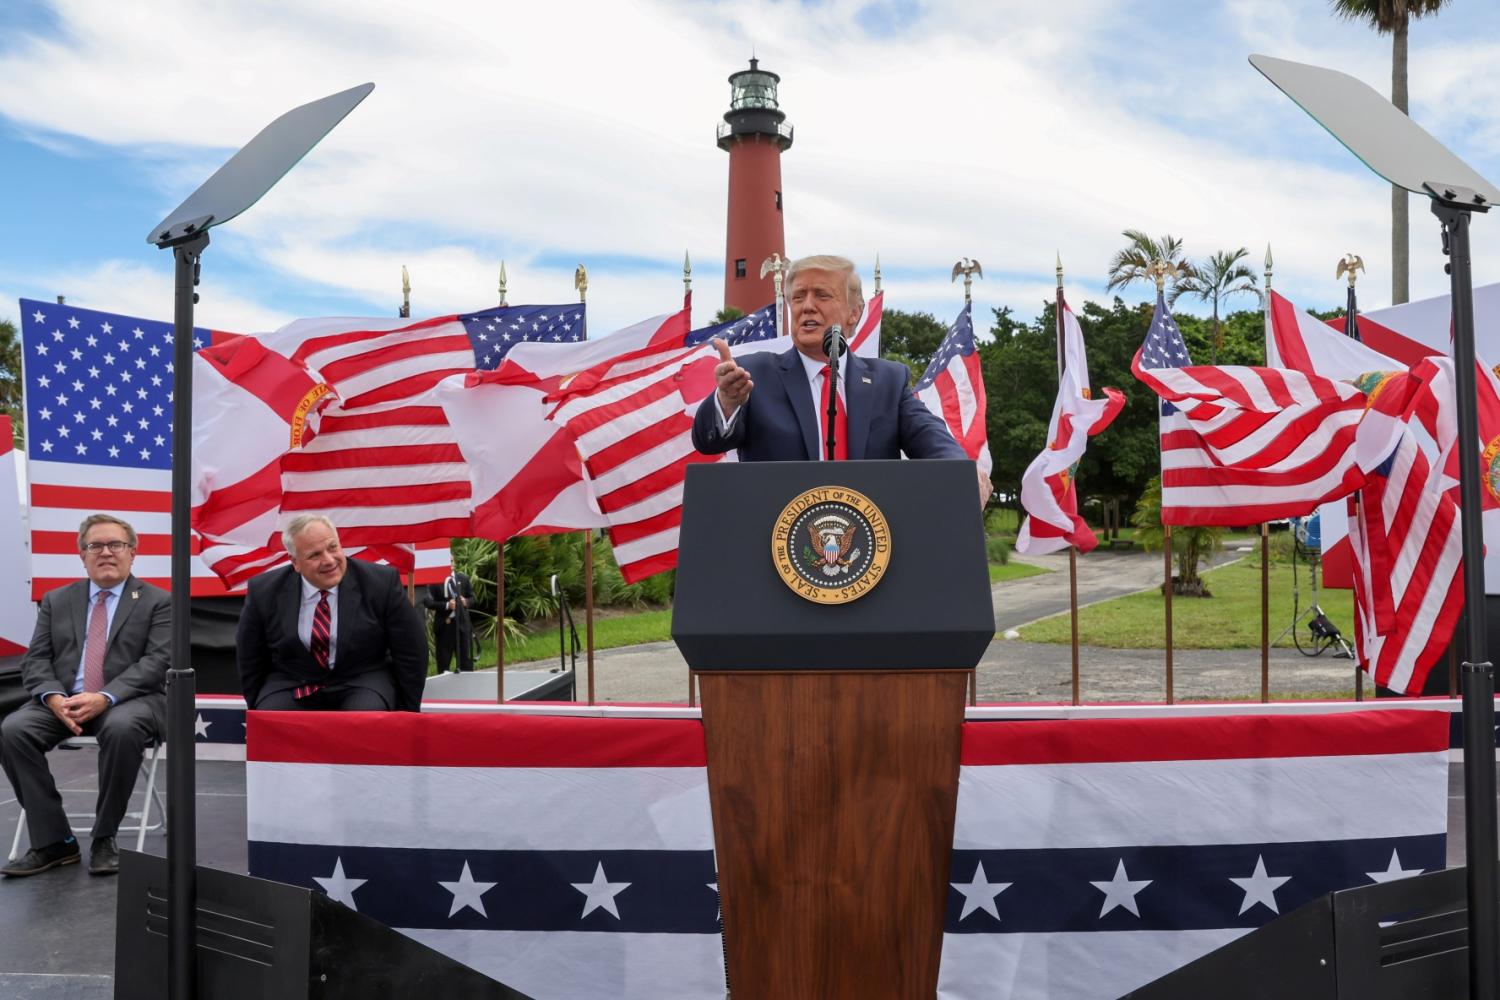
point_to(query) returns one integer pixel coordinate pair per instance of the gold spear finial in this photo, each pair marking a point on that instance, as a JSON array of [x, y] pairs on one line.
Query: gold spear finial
[[1349, 263], [581, 282], [1059, 269], [502, 283], [405, 311], [968, 268]]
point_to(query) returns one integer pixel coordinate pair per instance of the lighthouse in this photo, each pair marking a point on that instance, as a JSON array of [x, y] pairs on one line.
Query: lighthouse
[[754, 133]]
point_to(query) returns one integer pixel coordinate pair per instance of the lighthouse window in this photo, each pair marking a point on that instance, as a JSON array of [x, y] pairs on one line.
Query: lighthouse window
[[739, 268], [778, 201]]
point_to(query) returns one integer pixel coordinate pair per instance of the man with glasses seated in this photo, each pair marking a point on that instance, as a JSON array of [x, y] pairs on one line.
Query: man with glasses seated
[[96, 666]]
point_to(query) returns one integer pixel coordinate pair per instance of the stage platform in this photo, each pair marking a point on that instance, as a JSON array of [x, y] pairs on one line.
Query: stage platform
[[57, 929]]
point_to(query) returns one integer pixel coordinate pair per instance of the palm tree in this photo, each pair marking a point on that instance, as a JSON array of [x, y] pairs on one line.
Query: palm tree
[[1216, 279], [1391, 17], [1133, 263]]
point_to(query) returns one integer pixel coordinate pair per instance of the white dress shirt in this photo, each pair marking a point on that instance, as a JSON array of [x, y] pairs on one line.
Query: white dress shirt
[[816, 371], [305, 613]]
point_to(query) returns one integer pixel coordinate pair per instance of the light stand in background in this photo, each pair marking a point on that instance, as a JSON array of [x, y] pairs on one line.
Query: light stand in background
[[1399, 150], [234, 187]]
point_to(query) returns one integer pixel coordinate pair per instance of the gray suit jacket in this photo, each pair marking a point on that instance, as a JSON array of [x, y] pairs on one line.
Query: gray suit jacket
[[140, 642]]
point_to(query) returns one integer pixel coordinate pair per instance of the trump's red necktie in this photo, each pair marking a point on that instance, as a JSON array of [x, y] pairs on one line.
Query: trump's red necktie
[[840, 424]]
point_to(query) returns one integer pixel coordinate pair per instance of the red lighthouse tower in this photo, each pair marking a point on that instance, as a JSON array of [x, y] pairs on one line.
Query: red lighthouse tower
[[754, 133]]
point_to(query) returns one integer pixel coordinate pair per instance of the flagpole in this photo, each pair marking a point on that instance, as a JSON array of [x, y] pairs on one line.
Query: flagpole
[[500, 577], [877, 274], [404, 312], [1352, 264], [581, 282], [1072, 549], [1159, 270], [1265, 544], [968, 268], [687, 303]]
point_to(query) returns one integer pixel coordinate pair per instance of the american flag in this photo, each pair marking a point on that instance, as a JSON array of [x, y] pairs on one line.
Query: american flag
[[953, 388], [384, 464], [756, 326], [1405, 533], [1241, 445], [98, 392]]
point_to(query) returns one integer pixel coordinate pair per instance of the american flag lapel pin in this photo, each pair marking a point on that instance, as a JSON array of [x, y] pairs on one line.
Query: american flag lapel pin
[[864, 378], [135, 595]]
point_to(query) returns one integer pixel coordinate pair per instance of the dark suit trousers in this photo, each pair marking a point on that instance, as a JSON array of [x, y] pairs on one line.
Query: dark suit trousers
[[31, 730], [344, 699], [453, 637]]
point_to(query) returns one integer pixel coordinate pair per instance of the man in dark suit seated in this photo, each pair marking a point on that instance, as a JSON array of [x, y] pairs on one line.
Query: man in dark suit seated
[[785, 420], [452, 628], [329, 633], [96, 666]]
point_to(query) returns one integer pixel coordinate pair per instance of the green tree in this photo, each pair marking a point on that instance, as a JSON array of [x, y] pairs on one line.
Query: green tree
[[10, 377], [1393, 17], [726, 314], [1222, 275], [1191, 547], [911, 338], [1133, 263]]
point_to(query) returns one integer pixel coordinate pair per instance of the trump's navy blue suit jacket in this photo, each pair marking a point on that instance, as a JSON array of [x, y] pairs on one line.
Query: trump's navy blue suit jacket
[[779, 422]]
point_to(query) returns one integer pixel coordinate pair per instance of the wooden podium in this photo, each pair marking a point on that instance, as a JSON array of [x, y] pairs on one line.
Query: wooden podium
[[833, 729]]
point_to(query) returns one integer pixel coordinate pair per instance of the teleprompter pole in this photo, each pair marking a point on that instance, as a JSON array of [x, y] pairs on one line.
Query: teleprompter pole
[[182, 841], [1453, 209]]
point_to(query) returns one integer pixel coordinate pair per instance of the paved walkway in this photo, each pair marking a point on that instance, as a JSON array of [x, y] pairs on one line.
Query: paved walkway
[[1040, 672]]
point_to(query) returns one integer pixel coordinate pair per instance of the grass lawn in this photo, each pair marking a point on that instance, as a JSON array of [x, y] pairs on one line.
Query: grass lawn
[[1013, 571], [633, 628], [1228, 620], [616, 630]]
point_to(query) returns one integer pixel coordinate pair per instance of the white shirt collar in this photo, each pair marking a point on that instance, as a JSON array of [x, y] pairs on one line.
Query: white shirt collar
[[310, 593], [114, 591]]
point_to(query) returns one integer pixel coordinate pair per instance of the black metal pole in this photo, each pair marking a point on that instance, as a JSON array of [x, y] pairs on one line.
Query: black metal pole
[[182, 840], [1478, 672]]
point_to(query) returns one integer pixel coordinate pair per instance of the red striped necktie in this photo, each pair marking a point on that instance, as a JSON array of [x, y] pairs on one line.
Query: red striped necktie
[[322, 628]]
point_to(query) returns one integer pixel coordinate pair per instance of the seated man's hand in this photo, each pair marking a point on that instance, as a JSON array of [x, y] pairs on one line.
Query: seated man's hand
[[83, 707], [734, 382], [57, 702], [985, 489]]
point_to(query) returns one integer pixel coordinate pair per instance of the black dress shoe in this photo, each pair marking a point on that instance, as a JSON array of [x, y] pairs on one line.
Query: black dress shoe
[[40, 859], [104, 859]]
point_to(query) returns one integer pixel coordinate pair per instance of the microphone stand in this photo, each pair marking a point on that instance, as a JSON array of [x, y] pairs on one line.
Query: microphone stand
[[833, 346]]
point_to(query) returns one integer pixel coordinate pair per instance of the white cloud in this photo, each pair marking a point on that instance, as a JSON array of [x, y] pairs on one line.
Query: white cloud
[[565, 132]]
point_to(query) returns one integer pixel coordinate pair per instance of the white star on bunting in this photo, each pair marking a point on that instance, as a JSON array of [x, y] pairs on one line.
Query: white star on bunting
[[339, 886], [1394, 871], [1120, 891], [1260, 887], [980, 893], [467, 892], [600, 893]]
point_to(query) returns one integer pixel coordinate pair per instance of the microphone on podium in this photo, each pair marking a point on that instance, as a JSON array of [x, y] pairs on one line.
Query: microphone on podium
[[834, 345]]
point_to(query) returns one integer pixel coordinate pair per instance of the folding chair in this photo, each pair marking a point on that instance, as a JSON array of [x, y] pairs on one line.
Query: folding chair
[[81, 822]]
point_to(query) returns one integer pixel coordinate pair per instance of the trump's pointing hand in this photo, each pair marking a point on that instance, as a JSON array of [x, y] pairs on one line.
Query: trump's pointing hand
[[734, 381]]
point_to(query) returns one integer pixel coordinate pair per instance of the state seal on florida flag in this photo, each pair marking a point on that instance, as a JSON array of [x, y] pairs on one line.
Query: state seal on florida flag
[[831, 545]]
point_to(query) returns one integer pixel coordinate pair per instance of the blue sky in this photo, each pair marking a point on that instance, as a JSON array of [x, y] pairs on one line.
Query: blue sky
[[547, 135]]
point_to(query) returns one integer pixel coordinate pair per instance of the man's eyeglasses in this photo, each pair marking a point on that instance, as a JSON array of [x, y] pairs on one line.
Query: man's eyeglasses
[[94, 548]]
